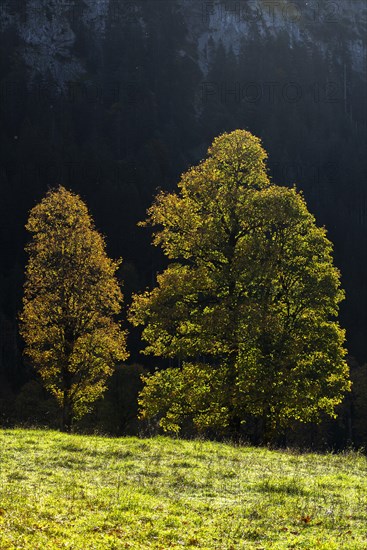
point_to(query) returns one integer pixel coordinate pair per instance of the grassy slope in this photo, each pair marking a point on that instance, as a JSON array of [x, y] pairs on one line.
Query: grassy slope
[[60, 491]]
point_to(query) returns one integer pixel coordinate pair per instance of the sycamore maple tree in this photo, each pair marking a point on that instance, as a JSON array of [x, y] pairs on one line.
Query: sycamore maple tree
[[70, 299], [248, 303]]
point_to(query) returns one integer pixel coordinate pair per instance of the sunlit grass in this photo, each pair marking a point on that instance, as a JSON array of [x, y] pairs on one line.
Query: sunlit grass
[[70, 491]]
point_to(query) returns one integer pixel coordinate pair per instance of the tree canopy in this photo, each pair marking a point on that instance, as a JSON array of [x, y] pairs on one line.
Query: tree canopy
[[71, 296], [248, 302]]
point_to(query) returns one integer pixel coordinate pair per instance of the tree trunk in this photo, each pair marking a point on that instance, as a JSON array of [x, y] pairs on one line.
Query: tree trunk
[[67, 416]]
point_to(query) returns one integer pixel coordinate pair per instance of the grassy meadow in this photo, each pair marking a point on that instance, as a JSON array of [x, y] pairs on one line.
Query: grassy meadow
[[92, 492]]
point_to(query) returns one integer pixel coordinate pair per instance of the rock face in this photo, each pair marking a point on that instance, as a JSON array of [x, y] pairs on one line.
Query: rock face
[[47, 35], [48, 30], [304, 22]]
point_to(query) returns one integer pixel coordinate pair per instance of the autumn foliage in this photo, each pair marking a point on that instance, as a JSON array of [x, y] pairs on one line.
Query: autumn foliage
[[248, 303], [71, 296]]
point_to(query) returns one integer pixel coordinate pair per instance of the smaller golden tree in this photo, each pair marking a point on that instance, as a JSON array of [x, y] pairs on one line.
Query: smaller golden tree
[[71, 295]]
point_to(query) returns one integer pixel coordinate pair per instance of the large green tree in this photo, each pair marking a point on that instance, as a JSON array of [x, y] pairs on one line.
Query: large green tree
[[71, 296], [248, 303]]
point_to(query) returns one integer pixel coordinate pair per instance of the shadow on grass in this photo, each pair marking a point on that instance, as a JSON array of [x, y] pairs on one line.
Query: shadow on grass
[[288, 487]]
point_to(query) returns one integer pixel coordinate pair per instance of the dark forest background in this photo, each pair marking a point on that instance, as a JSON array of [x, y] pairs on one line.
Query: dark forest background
[[142, 101]]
